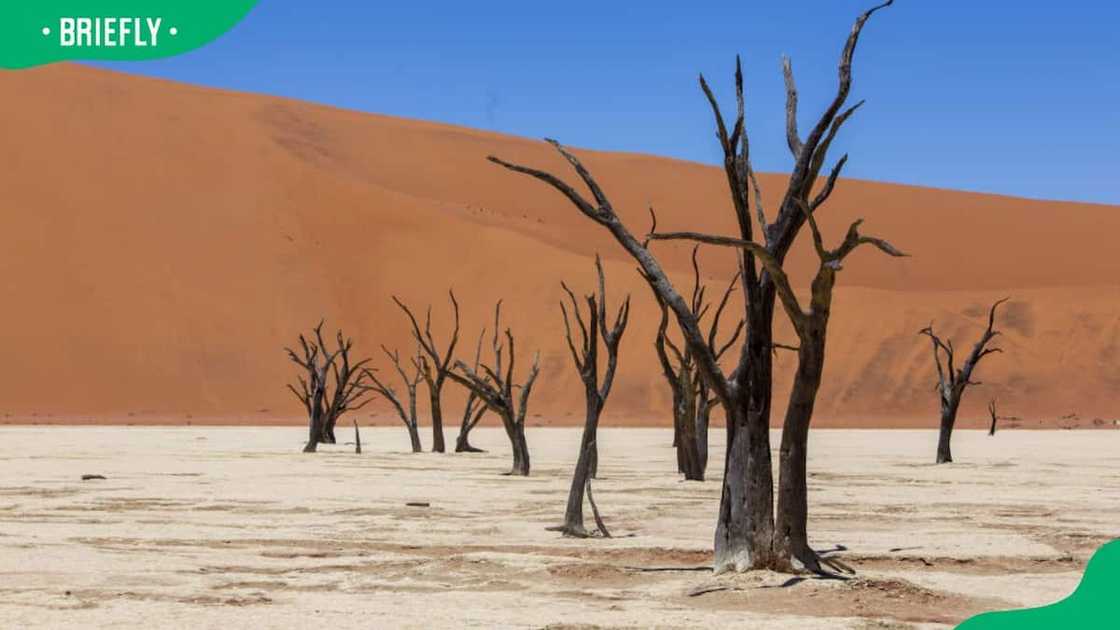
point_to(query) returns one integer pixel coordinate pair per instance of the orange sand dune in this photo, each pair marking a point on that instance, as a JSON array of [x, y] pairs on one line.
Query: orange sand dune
[[163, 242]]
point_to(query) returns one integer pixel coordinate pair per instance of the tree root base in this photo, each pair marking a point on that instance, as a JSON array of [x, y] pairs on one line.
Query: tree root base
[[803, 562], [573, 532]]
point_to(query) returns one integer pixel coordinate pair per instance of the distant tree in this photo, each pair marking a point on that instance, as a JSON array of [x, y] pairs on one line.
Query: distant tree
[[951, 381], [691, 395], [996, 417], [495, 387], [409, 418], [330, 384], [436, 366], [585, 355]]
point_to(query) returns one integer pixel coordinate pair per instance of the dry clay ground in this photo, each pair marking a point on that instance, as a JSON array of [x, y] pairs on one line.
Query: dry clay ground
[[233, 527]]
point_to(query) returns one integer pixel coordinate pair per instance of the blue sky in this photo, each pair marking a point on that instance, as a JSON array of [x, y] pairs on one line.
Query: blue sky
[[1019, 98]]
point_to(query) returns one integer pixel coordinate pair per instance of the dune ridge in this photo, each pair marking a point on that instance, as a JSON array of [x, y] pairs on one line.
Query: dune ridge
[[162, 243]]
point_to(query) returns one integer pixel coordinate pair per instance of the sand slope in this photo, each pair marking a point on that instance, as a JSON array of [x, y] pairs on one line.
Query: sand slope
[[162, 242]]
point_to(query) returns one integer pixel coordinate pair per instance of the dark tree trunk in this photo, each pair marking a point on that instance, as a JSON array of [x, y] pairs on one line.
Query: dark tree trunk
[[745, 526], [412, 423], [792, 540], [463, 445], [437, 420], [678, 418], [703, 421], [589, 441], [328, 431], [945, 434], [520, 446], [471, 417], [315, 423], [414, 438], [688, 455], [573, 513], [315, 434]]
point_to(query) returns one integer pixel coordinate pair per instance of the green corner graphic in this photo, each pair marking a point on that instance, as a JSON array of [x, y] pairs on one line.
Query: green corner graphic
[[35, 32], [1095, 603]]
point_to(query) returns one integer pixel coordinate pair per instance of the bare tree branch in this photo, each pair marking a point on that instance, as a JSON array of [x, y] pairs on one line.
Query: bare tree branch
[[792, 138]]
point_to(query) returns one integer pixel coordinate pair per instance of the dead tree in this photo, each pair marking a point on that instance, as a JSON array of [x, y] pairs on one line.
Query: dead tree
[[585, 354], [996, 417], [473, 411], [348, 393], [745, 529], [951, 381], [811, 325], [436, 366], [324, 401], [409, 418], [692, 400], [495, 387]]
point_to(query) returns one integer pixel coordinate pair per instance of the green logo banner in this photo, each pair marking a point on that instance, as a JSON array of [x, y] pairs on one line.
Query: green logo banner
[[35, 32], [1095, 603]]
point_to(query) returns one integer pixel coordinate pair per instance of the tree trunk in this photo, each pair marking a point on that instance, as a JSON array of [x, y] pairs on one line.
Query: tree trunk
[[520, 451], [791, 544], [471, 418], [437, 419], [519, 447], [589, 441], [745, 527], [463, 444], [414, 438], [573, 513], [688, 454], [948, 419], [703, 421], [315, 433], [678, 418], [328, 431]]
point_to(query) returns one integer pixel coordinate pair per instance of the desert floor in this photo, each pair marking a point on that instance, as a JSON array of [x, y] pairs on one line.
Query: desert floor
[[234, 527]]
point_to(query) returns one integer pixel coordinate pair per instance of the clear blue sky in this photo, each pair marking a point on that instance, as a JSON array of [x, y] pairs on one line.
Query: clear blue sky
[[1008, 97]]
